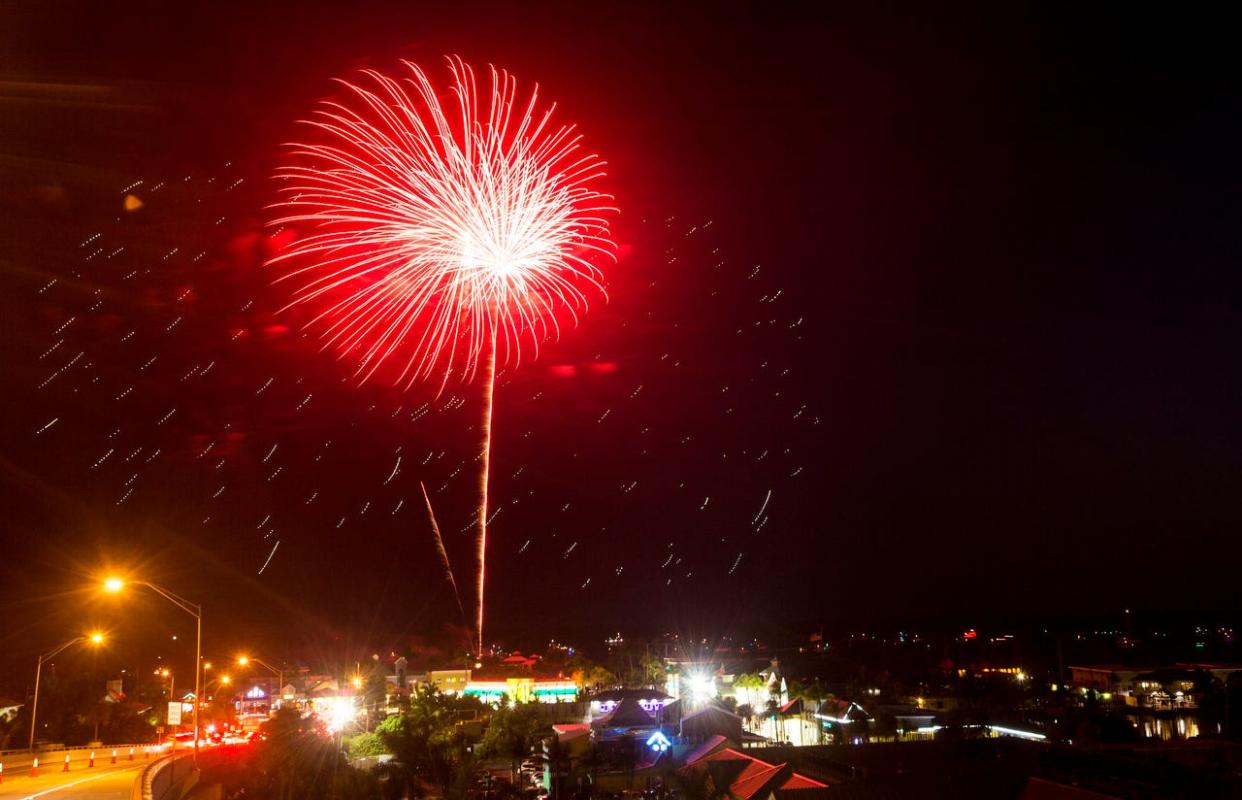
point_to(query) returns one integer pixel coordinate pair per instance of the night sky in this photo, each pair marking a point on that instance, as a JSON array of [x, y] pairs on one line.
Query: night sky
[[920, 318]]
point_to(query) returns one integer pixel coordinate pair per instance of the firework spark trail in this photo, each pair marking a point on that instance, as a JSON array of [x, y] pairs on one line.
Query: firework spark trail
[[269, 557], [438, 232], [448, 569], [763, 507]]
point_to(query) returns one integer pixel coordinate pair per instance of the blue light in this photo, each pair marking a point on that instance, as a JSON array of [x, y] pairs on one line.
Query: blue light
[[659, 742]]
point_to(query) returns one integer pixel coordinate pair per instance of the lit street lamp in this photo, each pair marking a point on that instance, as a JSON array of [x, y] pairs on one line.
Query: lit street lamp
[[172, 695], [94, 638], [114, 585]]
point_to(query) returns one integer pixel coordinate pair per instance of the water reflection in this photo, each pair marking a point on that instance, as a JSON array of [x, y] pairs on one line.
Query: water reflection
[[1166, 728]]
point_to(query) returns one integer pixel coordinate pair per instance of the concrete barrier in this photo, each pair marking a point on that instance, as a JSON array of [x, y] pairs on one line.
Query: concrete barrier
[[170, 777]]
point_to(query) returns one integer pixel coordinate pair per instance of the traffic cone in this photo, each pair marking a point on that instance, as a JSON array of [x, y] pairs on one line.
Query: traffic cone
[[146, 753], [34, 769], [91, 762], [114, 755], [131, 754], [66, 769]]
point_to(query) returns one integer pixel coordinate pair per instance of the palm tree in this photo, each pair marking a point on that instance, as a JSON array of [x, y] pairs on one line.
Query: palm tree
[[813, 693]]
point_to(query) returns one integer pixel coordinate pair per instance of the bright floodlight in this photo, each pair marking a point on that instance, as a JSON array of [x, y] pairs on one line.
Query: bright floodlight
[[113, 585], [97, 638], [340, 712], [243, 660], [703, 686], [225, 680]]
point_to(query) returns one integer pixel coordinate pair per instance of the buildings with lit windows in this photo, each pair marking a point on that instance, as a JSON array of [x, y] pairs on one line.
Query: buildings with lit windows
[[1169, 688], [515, 679]]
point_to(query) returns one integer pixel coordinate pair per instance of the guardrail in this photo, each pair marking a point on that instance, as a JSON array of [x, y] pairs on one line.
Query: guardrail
[[14, 762], [60, 748]]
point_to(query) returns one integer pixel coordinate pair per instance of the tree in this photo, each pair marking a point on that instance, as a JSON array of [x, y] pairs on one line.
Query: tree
[[588, 675], [375, 696], [651, 669], [812, 694], [9, 728], [424, 740], [364, 745], [510, 734], [296, 762]]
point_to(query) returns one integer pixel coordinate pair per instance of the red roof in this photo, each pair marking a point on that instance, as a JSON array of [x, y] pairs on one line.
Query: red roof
[[703, 750], [752, 779], [571, 730], [729, 754], [755, 775], [797, 781]]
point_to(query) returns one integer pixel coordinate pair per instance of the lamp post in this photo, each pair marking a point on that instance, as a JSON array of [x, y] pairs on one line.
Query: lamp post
[[115, 585], [219, 682], [172, 681], [279, 673], [172, 695], [94, 638]]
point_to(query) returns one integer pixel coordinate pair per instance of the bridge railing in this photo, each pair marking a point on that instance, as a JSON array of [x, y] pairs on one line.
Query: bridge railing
[[53, 758]]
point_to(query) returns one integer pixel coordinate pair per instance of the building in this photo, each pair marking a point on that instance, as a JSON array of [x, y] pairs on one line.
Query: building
[[653, 701], [709, 722], [1167, 688], [514, 680]]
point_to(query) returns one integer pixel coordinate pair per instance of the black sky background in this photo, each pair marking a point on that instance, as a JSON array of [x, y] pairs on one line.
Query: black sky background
[[1011, 235]]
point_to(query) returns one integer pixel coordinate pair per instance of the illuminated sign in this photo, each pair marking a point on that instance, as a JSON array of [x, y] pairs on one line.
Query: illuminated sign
[[658, 742]]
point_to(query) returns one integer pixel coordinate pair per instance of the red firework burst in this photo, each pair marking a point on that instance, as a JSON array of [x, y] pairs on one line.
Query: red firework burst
[[437, 228], [442, 234]]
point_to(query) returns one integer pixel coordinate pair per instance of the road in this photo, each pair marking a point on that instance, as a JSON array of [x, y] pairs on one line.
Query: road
[[102, 782]]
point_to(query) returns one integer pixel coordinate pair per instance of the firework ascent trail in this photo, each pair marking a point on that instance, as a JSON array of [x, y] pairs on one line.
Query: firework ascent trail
[[434, 234], [448, 568]]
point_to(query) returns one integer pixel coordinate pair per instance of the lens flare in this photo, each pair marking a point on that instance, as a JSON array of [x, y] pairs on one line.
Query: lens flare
[[441, 235]]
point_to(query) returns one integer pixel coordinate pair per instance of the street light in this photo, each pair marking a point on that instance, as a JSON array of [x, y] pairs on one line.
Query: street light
[[113, 585], [279, 673], [95, 638], [167, 673]]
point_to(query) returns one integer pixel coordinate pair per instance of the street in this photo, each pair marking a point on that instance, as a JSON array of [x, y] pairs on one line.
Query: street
[[103, 782]]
